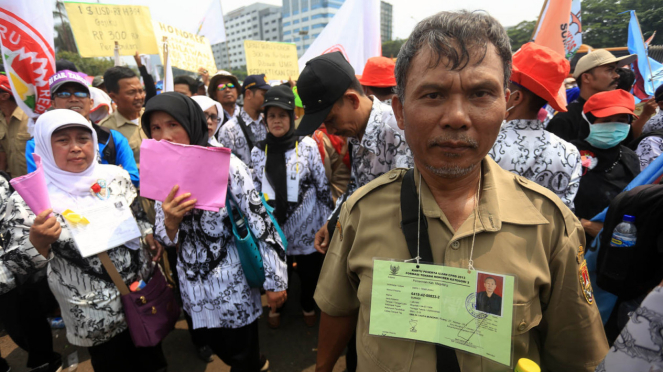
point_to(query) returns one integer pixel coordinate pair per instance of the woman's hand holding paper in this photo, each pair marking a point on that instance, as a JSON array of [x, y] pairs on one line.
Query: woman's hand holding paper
[[174, 210], [44, 231]]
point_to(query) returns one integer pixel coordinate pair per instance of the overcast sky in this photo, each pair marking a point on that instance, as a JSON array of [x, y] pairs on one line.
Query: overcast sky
[[186, 14]]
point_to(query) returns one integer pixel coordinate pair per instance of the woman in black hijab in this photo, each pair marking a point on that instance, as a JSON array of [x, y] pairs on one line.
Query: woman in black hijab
[[224, 309], [289, 171]]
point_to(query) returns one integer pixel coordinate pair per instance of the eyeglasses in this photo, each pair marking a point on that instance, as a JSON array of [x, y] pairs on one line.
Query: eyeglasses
[[76, 94], [213, 118], [224, 86]]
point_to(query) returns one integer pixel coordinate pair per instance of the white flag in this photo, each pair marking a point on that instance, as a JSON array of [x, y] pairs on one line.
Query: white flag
[[27, 52], [212, 26], [354, 31], [168, 85]]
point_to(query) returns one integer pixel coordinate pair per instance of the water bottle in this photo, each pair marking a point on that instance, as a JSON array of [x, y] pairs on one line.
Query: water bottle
[[625, 233], [526, 365], [241, 227]]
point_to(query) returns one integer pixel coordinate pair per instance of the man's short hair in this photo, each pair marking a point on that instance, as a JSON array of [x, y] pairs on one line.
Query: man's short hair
[[188, 80], [382, 91], [453, 35], [626, 79], [113, 75], [490, 277], [63, 64], [536, 103]]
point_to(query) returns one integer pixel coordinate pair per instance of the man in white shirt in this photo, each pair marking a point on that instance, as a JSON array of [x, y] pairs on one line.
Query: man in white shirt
[[523, 146]]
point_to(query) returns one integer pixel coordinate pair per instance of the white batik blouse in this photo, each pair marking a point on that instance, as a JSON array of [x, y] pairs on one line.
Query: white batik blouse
[[649, 149], [655, 123], [231, 136], [314, 201], [89, 301], [214, 290], [525, 148], [7, 281]]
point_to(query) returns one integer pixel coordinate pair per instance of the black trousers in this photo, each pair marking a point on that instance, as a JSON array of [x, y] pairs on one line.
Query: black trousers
[[237, 347], [308, 268], [24, 312], [120, 354]]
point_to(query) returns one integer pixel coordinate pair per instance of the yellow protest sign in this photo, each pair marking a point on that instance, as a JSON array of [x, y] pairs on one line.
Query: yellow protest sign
[[186, 50], [278, 61], [97, 27]]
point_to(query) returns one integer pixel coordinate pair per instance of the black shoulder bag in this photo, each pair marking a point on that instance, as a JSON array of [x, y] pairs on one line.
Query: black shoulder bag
[[250, 138]]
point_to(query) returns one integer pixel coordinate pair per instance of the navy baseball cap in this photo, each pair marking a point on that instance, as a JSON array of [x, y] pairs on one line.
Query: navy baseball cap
[[323, 81], [255, 81]]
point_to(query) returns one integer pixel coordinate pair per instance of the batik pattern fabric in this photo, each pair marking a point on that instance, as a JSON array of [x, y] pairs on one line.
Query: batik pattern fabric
[[655, 123], [639, 347], [649, 149], [214, 289], [7, 280], [314, 201], [231, 135], [525, 148], [89, 301]]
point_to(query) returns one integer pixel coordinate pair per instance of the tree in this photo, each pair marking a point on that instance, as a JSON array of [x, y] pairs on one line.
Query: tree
[[90, 66], [604, 26], [64, 40], [392, 47], [240, 73], [520, 34]]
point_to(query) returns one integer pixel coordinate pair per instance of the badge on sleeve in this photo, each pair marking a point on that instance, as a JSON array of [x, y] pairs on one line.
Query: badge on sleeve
[[581, 255], [100, 190], [585, 285]]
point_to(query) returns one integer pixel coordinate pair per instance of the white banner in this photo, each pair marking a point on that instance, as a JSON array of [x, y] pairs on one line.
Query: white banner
[[354, 31], [212, 25]]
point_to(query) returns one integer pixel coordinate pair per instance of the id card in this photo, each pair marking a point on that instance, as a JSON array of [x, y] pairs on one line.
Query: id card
[[110, 225], [292, 185], [467, 310]]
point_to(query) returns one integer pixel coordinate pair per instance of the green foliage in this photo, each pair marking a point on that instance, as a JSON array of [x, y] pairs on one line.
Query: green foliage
[[604, 27], [520, 34], [392, 47], [240, 73], [90, 66]]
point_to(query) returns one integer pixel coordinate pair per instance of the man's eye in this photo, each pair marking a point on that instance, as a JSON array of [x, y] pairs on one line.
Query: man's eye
[[432, 95]]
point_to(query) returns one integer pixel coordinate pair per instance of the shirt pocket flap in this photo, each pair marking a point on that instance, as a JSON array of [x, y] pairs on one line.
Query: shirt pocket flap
[[526, 316]]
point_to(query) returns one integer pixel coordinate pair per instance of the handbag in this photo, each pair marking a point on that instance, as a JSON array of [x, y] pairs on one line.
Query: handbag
[[150, 313], [247, 246]]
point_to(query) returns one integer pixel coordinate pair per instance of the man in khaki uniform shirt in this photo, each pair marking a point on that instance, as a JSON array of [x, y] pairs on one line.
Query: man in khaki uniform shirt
[[13, 132], [125, 89], [451, 113]]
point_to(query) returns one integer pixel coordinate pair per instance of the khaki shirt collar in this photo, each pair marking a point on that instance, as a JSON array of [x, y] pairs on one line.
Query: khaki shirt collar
[[121, 120], [502, 201]]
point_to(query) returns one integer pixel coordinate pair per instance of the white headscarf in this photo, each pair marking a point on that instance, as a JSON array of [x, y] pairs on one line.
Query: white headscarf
[[102, 105], [205, 102], [68, 190]]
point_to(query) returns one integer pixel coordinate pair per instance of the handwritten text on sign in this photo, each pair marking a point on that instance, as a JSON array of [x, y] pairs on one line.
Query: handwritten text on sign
[[278, 61], [187, 51], [97, 27]]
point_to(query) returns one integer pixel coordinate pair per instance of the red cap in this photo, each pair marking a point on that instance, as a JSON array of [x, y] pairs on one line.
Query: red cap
[[542, 71], [379, 73], [4, 83], [610, 103]]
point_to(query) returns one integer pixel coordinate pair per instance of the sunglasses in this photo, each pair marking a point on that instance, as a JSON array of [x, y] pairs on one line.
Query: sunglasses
[[213, 118], [224, 86], [76, 94]]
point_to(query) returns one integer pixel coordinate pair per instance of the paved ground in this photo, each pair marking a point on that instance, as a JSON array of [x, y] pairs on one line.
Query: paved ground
[[291, 348]]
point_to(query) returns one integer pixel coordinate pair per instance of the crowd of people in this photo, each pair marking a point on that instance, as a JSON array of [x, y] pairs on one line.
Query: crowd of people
[[316, 172]]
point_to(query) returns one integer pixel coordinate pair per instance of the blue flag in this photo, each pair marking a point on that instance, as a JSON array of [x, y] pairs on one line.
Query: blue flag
[[636, 45]]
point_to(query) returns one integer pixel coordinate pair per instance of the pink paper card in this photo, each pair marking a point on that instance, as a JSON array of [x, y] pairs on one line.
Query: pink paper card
[[202, 171], [32, 188]]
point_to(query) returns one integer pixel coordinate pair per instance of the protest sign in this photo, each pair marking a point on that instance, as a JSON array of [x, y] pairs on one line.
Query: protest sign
[[97, 27], [185, 49], [278, 61]]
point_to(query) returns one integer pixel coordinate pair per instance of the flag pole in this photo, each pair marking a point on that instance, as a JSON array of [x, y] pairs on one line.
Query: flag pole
[[651, 72], [165, 61], [116, 54], [538, 21]]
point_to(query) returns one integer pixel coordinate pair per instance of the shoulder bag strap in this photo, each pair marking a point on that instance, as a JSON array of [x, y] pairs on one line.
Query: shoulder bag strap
[[114, 274], [446, 357], [250, 138]]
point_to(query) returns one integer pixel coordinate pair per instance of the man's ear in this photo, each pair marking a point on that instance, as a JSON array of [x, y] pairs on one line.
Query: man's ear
[[113, 96], [353, 97], [397, 106]]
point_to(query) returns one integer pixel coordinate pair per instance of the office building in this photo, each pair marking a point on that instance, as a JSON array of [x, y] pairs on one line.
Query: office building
[[304, 20], [386, 21], [257, 21]]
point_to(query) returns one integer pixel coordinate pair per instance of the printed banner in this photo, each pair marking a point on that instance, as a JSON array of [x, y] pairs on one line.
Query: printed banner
[[97, 27], [278, 61], [27, 52], [185, 49]]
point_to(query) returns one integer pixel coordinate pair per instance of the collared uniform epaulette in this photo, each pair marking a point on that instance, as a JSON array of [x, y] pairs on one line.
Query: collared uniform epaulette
[[570, 220], [387, 178]]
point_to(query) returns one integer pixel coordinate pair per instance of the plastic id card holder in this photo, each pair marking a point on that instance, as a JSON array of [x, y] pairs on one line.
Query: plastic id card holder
[[467, 310]]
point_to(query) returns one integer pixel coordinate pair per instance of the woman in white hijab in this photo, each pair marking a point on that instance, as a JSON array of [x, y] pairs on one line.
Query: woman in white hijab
[[214, 115], [89, 300]]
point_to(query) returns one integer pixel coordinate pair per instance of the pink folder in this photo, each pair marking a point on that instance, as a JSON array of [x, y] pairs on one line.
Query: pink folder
[[202, 171], [32, 188]]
